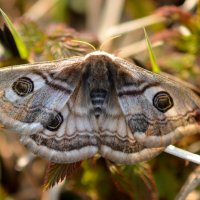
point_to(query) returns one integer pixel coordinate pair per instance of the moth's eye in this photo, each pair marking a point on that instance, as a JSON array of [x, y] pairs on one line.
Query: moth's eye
[[163, 101], [23, 86], [55, 122]]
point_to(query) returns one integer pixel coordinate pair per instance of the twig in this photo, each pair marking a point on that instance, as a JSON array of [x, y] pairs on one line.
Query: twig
[[53, 193], [24, 161], [93, 15], [189, 5], [136, 48], [183, 154], [132, 26], [191, 183], [39, 9], [110, 16]]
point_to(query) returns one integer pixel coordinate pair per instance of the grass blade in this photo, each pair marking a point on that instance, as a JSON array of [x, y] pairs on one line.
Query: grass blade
[[155, 67], [19, 43]]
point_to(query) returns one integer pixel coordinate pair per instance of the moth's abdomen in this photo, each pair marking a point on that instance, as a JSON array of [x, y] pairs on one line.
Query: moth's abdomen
[[97, 98]]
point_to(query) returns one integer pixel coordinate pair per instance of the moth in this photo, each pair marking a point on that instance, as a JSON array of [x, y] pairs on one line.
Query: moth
[[69, 110]]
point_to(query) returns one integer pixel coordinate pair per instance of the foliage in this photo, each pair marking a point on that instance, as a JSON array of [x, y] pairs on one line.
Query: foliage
[[58, 172]]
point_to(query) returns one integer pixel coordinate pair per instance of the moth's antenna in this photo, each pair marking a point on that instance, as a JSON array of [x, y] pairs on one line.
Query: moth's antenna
[[108, 40], [87, 43]]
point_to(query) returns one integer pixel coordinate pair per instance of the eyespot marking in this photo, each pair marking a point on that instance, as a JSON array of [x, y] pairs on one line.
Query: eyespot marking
[[23, 86], [55, 122], [163, 101]]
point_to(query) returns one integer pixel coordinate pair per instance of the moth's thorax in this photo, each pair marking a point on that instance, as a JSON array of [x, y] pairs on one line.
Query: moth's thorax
[[99, 80], [98, 76]]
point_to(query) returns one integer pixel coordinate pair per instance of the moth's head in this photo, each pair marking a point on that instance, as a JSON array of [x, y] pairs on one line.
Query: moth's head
[[100, 55]]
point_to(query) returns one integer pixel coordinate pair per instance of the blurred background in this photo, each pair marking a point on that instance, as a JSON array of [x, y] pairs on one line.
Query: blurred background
[[54, 29]]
